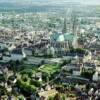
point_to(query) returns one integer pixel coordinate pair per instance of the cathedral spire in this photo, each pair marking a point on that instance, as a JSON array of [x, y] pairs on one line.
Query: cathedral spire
[[66, 19], [74, 23], [64, 30]]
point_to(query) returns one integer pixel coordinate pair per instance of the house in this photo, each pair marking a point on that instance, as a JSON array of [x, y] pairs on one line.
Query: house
[[3, 45], [72, 67], [46, 94], [75, 68], [7, 56], [74, 55], [11, 47], [1, 54], [37, 76], [33, 60], [88, 65], [76, 71], [47, 87], [74, 79], [12, 79], [9, 88], [95, 76], [18, 54], [98, 67], [87, 57], [28, 51]]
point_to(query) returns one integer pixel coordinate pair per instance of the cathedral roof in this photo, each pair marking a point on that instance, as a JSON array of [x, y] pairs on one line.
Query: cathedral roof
[[62, 37]]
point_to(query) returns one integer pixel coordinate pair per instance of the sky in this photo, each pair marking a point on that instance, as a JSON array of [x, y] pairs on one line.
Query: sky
[[51, 1]]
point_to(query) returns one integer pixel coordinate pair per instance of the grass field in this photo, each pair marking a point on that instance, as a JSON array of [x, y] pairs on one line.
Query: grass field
[[50, 69]]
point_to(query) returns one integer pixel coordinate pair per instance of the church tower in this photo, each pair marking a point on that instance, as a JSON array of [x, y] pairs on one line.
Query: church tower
[[75, 29], [74, 24], [64, 30]]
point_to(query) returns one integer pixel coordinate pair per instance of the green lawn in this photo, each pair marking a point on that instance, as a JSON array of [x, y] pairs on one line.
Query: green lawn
[[28, 69], [50, 69]]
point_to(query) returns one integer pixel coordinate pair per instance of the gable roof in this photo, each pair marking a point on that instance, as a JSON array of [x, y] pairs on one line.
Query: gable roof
[[17, 51]]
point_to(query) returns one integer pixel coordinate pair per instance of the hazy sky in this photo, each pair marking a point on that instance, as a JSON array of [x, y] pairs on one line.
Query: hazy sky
[[55, 1]]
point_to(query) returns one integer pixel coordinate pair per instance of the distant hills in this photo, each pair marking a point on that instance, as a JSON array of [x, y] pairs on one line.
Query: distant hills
[[8, 7], [37, 5], [28, 2]]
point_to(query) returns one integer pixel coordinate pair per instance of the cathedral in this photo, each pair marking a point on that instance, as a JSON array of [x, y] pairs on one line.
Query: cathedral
[[62, 42]]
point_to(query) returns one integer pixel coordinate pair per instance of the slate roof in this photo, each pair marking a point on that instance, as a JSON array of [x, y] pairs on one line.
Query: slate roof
[[17, 51], [74, 54]]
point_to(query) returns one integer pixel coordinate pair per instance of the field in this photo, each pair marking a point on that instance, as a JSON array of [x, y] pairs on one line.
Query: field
[[50, 69]]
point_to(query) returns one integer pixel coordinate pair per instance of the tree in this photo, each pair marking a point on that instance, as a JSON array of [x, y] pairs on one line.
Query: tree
[[50, 98], [63, 97], [57, 97], [36, 83], [26, 87], [28, 72], [45, 77], [21, 97], [24, 78], [33, 52], [88, 74], [42, 62], [78, 50], [17, 62], [13, 66], [64, 62], [3, 91]]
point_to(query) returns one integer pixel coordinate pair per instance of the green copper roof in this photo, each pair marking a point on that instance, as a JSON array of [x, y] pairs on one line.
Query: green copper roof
[[54, 36], [62, 37]]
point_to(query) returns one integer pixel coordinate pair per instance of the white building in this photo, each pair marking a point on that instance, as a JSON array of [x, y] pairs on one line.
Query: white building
[[28, 51], [95, 76], [77, 72], [18, 54]]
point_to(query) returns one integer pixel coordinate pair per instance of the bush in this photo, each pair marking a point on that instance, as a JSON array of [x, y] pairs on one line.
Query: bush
[[2, 78], [64, 62], [88, 74], [25, 78], [25, 86], [29, 72], [45, 77], [2, 90], [71, 95], [35, 83], [50, 98], [78, 50], [21, 97]]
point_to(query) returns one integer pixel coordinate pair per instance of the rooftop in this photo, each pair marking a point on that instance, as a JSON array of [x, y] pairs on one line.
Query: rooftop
[[62, 37], [17, 51]]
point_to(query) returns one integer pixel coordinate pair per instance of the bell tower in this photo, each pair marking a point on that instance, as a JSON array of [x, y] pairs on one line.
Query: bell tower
[[64, 30]]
